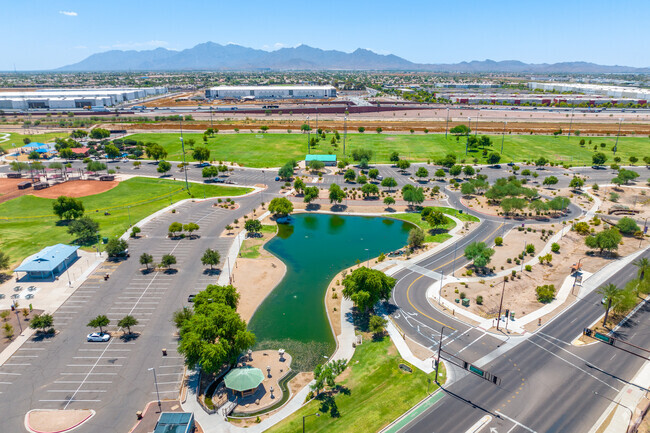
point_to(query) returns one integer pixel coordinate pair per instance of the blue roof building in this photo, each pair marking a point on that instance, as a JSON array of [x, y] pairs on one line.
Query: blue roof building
[[175, 422], [49, 262]]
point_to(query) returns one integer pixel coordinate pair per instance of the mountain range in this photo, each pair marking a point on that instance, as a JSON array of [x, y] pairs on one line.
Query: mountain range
[[210, 56]]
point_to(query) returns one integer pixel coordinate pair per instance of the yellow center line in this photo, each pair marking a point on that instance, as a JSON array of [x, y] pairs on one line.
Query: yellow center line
[[408, 290]]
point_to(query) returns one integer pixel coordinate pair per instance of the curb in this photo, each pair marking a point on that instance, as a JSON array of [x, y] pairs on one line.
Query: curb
[[28, 427]]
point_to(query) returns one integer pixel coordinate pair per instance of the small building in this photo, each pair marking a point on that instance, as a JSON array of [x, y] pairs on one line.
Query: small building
[[49, 262], [175, 422], [244, 380], [80, 151], [325, 159]]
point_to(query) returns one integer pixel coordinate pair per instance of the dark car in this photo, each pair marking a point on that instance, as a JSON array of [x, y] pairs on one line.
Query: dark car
[[191, 298]]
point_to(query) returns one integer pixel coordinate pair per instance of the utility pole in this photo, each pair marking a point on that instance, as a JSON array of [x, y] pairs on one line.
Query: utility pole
[[308, 135], [345, 131], [187, 185], [501, 302], [439, 351], [469, 121], [570, 123], [503, 135], [447, 124]]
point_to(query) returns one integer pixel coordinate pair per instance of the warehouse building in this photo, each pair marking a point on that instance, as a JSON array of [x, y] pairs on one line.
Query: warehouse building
[[594, 89], [271, 92], [74, 98]]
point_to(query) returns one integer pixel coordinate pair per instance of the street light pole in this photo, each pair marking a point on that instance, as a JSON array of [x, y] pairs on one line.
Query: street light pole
[[155, 380], [187, 185], [308, 135], [503, 136], [618, 403], [469, 122], [617, 135], [345, 131], [303, 420], [501, 302], [439, 352], [570, 123]]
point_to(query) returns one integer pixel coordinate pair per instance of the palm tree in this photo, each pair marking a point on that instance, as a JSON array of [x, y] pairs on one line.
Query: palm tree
[[643, 265], [611, 295]]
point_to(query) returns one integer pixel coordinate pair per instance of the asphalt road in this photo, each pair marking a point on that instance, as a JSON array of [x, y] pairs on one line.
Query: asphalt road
[[547, 385]]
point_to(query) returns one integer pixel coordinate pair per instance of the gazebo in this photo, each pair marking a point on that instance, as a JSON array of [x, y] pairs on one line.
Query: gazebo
[[244, 380]]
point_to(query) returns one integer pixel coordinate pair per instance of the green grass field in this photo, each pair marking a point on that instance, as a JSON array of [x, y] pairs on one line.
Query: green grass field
[[27, 223], [432, 234], [17, 139], [273, 150], [379, 393]]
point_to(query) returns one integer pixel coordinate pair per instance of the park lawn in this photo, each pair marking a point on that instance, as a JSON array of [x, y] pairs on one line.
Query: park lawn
[[248, 250], [416, 219], [17, 139], [456, 213], [379, 393], [273, 150], [27, 223]]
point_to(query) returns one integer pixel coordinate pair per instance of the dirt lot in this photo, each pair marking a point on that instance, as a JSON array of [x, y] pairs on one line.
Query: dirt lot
[[73, 188], [631, 197]]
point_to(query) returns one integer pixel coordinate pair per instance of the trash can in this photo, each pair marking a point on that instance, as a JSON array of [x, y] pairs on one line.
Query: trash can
[[105, 240], [512, 315]]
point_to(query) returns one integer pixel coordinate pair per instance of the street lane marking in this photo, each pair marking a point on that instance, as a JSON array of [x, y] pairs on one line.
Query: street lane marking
[[475, 340], [515, 421], [479, 424]]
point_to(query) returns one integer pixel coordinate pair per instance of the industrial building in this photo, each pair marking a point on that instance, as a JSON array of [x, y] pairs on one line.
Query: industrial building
[[594, 89], [271, 92], [539, 99], [74, 98]]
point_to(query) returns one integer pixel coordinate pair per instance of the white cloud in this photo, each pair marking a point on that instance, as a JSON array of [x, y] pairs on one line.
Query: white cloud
[[68, 13], [136, 45]]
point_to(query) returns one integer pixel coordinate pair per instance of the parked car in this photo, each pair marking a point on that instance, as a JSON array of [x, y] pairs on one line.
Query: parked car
[[99, 337], [277, 178], [191, 298]]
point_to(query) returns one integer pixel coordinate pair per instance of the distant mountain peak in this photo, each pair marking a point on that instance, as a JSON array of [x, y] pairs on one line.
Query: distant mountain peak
[[217, 57]]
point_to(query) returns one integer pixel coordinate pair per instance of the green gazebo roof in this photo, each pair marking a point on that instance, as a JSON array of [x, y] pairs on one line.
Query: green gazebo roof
[[243, 378]]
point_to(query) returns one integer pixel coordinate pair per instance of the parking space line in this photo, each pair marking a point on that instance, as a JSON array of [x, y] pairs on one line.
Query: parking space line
[[79, 381], [92, 365], [83, 372], [17, 365], [171, 366], [71, 401], [11, 374], [94, 357], [80, 390]]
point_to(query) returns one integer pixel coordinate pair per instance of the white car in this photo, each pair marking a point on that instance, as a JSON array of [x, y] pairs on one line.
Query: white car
[[101, 338]]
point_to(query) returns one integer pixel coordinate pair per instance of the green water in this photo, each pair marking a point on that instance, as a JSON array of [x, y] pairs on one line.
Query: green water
[[315, 247]]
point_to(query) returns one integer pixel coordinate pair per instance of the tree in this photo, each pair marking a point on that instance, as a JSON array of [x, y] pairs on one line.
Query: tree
[[95, 166], [286, 171], [422, 172], [155, 151], [167, 260], [436, 219], [377, 324], [550, 180], [253, 226], [299, 185], [127, 321], [403, 164], [112, 152], [212, 257], [116, 247], [336, 194], [412, 194], [85, 229], [212, 336], [440, 173], [41, 322], [541, 161], [66, 153], [361, 129], [359, 154], [164, 167], [468, 170], [316, 165], [455, 170], [370, 189], [558, 203], [460, 130], [627, 226], [361, 179], [394, 156], [213, 293], [612, 296], [467, 188], [416, 237], [627, 175], [373, 173], [191, 228], [479, 253], [598, 158], [325, 375], [643, 266], [498, 241], [607, 240], [576, 182], [493, 158], [201, 154], [545, 293], [99, 133], [311, 194], [389, 182], [633, 160], [555, 247], [4, 261], [68, 208], [146, 259], [389, 201], [508, 204], [99, 322], [210, 171], [485, 141], [34, 156], [174, 228], [349, 175], [280, 207], [365, 287]]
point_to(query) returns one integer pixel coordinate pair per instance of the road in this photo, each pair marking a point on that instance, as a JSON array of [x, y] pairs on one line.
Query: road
[[547, 385]]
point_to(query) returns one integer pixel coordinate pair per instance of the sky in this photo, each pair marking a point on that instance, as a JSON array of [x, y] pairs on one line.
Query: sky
[[46, 34]]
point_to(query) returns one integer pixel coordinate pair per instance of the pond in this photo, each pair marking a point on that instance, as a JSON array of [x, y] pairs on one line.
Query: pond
[[315, 247]]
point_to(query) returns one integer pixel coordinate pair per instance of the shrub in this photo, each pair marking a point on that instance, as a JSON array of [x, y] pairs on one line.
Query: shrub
[[479, 300], [530, 249], [555, 247], [463, 295], [529, 268], [545, 293], [581, 228], [509, 260], [498, 241]]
